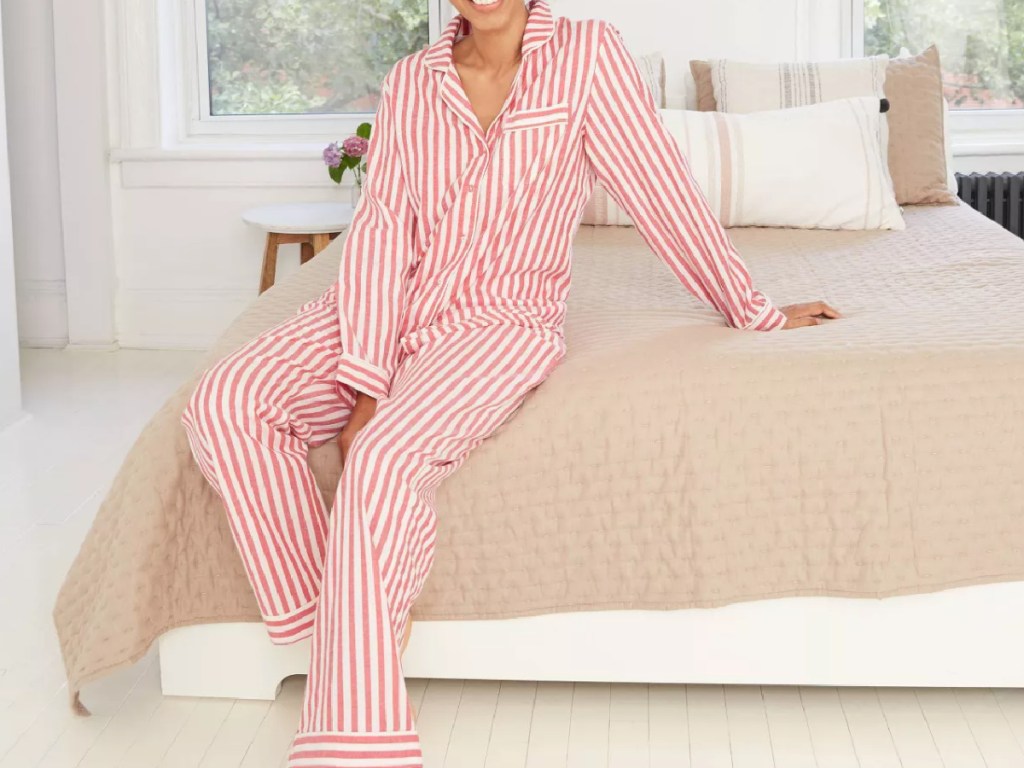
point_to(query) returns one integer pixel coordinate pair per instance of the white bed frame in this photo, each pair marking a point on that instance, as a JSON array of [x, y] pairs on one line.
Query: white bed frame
[[962, 637]]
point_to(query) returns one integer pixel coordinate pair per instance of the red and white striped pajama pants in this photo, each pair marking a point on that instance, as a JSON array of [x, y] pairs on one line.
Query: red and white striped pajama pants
[[350, 579]]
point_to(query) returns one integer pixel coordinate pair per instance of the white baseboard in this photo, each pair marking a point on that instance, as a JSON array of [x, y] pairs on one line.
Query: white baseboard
[[42, 313], [178, 319], [15, 419]]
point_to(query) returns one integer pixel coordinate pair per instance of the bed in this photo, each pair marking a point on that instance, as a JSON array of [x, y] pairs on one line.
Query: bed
[[678, 502]]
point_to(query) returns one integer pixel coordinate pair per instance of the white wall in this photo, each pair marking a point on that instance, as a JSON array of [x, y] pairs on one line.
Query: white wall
[[32, 133], [10, 375], [692, 29]]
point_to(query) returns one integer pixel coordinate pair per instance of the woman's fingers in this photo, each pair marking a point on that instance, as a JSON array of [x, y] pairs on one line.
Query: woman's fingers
[[800, 322], [810, 313], [825, 309], [810, 309]]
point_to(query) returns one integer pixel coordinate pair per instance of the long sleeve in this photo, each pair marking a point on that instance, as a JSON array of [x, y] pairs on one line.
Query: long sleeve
[[641, 165], [375, 259]]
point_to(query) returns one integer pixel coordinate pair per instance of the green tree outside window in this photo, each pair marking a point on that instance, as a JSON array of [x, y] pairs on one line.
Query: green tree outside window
[[307, 56], [981, 43]]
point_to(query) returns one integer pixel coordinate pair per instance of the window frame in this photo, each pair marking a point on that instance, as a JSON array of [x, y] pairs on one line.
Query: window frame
[[975, 132], [160, 93], [195, 123]]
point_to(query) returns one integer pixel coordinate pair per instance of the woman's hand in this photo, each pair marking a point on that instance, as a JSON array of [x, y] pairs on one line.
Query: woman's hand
[[807, 314], [363, 410]]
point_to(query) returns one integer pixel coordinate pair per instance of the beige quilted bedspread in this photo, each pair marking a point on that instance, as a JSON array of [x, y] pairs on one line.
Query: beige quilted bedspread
[[669, 462]]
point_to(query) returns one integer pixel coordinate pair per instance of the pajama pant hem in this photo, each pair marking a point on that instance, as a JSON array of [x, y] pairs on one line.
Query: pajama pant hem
[[352, 749], [293, 626]]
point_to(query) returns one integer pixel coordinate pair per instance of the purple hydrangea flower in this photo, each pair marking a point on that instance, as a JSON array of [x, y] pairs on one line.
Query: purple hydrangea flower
[[332, 155], [355, 146]]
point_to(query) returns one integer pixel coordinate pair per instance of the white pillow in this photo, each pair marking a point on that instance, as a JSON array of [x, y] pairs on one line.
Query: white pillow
[[815, 167]]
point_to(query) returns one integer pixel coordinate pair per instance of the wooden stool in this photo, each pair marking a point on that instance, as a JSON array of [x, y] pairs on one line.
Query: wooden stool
[[311, 225]]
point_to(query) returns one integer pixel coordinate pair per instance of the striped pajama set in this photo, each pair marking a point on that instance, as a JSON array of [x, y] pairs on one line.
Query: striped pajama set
[[448, 309]]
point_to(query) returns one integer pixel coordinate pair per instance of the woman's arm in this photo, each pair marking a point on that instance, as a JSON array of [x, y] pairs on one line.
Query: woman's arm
[[640, 164], [375, 260]]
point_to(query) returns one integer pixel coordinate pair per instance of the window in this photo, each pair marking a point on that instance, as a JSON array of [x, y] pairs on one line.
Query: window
[[981, 43], [302, 57], [283, 68]]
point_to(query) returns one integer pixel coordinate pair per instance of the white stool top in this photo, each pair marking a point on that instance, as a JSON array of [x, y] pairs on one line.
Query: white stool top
[[301, 218]]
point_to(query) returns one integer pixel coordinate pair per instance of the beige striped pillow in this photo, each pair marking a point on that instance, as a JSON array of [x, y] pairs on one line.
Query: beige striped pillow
[[652, 69], [741, 86]]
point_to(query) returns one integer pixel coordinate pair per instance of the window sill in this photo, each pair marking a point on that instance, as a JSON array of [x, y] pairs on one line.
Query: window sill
[[978, 147], [218, 152], [266, 166], [980, 133]]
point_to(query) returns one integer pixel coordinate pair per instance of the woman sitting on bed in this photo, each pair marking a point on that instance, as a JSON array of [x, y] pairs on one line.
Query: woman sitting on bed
[[448, 310]]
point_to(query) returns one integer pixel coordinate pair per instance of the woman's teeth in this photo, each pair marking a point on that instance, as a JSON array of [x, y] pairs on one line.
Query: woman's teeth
[[485, 2]]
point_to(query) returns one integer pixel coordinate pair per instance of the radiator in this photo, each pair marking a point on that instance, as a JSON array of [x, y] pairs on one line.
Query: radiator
[[1000, 196]]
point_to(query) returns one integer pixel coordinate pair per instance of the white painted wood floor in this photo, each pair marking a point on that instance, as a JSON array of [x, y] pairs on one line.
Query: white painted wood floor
[[54, 470]]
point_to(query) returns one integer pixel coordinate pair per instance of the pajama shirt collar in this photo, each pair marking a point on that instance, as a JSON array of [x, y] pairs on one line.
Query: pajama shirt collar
[[540, 26]]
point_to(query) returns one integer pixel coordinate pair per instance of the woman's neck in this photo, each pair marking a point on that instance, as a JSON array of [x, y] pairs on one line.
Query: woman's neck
[[496, 49]]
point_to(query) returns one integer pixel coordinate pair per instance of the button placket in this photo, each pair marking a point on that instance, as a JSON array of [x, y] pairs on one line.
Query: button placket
[[469, 206], [469, 209]]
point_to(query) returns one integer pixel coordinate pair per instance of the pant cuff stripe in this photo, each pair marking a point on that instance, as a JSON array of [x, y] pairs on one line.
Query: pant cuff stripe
[[292, 635], [283, 619], [356, 750]]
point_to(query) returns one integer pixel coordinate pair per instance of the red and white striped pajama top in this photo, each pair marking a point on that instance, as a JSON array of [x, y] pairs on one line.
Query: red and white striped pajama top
[[458, 225]]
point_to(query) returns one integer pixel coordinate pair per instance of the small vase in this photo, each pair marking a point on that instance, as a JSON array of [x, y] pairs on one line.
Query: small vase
[[355, 192]]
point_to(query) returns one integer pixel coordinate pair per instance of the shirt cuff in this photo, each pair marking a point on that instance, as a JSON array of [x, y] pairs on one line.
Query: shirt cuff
[[770, 318], [363, 376]]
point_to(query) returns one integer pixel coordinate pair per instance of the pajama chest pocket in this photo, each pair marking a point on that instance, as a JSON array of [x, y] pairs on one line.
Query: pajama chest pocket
[[534, 134], [545, 117]]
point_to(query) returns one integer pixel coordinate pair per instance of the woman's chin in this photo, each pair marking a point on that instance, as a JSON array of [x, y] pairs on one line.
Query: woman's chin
[[483, 9]]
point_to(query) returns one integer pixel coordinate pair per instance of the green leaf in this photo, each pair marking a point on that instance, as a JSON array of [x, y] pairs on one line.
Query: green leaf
[[336, 173], [363, 130]]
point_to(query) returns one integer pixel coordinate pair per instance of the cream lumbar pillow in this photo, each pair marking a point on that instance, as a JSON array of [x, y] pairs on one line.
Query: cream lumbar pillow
[[815, 167]]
